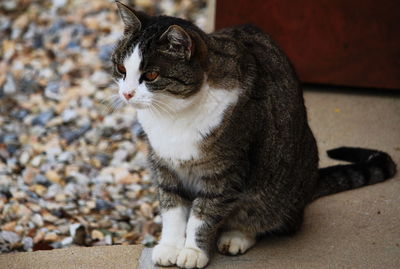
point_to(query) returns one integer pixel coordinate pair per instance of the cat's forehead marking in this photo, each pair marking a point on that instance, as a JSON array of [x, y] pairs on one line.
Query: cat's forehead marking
[[132, 62]]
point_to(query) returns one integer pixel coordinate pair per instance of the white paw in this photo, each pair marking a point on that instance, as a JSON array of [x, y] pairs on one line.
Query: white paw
[[192, 258], [165, 255], [235, 242]]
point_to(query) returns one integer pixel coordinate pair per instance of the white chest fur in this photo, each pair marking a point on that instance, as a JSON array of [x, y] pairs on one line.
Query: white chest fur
[[176, 136]]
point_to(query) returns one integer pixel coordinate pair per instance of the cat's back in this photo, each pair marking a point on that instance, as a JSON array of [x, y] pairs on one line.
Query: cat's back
[[260, 60], [250, 37], [243, 34]]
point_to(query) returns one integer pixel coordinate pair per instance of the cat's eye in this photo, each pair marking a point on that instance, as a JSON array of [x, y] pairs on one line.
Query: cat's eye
[[150, 76], [121, 69]]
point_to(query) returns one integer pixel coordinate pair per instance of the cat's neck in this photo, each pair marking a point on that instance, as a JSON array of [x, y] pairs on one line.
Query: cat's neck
[[176, 135]]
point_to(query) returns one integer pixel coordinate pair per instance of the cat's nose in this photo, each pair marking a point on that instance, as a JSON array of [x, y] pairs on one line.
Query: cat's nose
[[128, 95]]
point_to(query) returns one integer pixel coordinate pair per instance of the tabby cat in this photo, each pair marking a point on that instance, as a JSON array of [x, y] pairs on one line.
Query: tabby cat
[[230, 147]]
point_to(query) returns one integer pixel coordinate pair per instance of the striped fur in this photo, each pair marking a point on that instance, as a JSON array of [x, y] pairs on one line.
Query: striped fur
[[370, 167]]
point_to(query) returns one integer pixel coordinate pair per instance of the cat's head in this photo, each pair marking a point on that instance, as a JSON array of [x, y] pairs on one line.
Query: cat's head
[[158, 59]]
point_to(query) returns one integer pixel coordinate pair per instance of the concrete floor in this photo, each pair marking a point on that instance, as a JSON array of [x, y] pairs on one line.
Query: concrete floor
[[354, 229]]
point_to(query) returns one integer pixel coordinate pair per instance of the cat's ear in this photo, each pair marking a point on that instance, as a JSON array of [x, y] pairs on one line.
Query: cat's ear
[[132, 19], [179, 41]]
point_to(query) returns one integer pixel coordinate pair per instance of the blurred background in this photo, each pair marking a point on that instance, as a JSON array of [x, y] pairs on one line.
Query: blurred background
[[347, 43], [72, 166]]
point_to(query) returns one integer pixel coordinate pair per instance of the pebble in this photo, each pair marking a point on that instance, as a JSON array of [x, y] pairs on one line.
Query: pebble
[[137, 130], [146, 210], [9, 138], [67, 241], [148, 240], [66, 157], [40, 179], [10, 5], [19, 114], [43, 118], [105, 52], [10, 237], [39, 236], [9, 87], [39, 189], [38, 220], [80, 179], [51, 237], [70, 135], [49, 217], [58, 3], [108, 239], [10, 226], [68, 115], [104, 159], [119, 156], [28, 83], [53, 176], [52, 90], [97, 235], [24, 158], [28, 243], [103, 205], [53, 150], [36, 161]]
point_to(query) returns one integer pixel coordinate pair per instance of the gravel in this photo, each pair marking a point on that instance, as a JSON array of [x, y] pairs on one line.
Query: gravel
[[73, 167]]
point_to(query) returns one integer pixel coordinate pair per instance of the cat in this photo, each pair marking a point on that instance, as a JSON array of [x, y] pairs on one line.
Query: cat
[[231, 151]]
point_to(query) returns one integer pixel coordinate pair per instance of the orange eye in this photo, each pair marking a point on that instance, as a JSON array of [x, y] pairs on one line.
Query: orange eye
[[121, 69], [150, 76]]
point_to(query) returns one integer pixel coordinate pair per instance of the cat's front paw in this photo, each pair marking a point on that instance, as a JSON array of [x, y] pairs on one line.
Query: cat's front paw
[[165, 255], [235, 242], [192, 258]]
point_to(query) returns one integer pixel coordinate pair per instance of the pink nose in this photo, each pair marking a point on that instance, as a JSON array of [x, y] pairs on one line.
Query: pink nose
[[128, 95]]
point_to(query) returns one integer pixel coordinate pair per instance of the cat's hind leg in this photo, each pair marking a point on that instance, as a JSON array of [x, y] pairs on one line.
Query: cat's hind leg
[[235, 242]]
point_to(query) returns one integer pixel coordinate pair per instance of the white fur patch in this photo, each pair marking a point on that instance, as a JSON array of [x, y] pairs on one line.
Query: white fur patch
[[142, 97], [192, 256], [172, 236], [165, 255], [175, 135], [174, 226], [193, 225], [235, 242]]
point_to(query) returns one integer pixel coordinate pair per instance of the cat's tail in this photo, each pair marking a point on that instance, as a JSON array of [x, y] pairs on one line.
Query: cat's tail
[[369, 167]]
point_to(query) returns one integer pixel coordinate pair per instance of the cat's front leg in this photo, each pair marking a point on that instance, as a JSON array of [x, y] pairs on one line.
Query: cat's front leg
[[174, 214], [205, 217]]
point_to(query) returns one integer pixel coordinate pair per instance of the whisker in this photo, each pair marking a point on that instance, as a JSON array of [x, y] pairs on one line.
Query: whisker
[[213, 96], [112, 103], [156, 108], [115, 80], [118, 105], [171, 109], [109, 98], [164, 107], [153, 113]]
